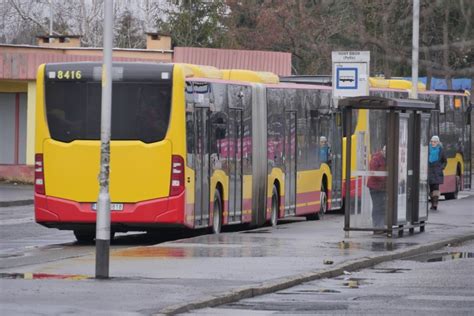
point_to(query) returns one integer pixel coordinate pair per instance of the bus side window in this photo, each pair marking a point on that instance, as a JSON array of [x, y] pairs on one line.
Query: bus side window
[[190, 146], [459, 126], [201, 93], [314, 139], [302, 142], [218, 123], [218, 139]]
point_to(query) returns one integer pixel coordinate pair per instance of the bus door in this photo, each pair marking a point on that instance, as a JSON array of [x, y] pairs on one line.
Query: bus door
[[467, 154], [335, 139], [202, 175], [235, 164], [289, 159]]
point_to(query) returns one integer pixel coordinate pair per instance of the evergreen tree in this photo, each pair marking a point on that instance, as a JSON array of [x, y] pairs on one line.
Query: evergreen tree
[[193, 23]]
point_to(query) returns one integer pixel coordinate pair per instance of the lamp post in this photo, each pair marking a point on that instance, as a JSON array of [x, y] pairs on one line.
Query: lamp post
[[415, 48], [102, 239]]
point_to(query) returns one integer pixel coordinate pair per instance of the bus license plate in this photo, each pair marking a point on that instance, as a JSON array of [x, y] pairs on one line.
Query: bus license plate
[[113, 206]]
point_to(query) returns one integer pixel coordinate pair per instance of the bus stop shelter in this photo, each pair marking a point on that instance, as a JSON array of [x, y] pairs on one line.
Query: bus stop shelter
[[386, 164]]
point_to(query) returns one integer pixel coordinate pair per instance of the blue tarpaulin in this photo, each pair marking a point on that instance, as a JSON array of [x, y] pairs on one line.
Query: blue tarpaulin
[[440, 84]]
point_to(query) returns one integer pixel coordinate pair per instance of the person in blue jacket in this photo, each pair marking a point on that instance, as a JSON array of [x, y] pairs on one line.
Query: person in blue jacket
[[436, 164], [324, 150]]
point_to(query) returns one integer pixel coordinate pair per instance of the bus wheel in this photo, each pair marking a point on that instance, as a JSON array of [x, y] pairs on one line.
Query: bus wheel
[[217, 213], [323, 202], [275, 207], [87, 236], [454, 195], [84, 236]]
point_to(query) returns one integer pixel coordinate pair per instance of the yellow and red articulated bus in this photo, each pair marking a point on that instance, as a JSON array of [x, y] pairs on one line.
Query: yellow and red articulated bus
[[304, 149], [191, 147], [451, 121]]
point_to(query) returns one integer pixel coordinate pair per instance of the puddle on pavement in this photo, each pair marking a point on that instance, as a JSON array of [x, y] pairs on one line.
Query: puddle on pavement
[[257, 232], [348, 280], [195, 251], [445, 256], [43, 276], [374, 246], [242, 245], [225, 239], [231, 245], [303, 292], [390, 270]]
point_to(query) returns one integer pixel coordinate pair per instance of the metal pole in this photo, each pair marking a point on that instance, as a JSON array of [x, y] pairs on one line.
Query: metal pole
[[392, 168], [50, 20], [347, 198], [415, 48], [415, 183], [102, 240]]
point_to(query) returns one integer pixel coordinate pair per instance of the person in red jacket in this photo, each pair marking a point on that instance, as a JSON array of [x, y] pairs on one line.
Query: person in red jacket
[[376, 185]]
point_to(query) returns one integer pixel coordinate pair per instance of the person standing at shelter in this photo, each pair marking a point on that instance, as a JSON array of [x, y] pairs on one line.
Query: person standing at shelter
[[377, 187], [437, 163]]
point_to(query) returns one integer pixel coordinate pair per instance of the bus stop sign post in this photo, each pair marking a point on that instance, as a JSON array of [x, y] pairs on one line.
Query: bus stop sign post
[[102, 239], [350, 74]]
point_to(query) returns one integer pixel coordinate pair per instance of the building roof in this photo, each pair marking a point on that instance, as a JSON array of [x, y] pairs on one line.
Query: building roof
[[275, 62], [57, 36], [20, 62]]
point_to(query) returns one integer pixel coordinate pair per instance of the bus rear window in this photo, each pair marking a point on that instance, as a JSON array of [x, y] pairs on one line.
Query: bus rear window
[[140, 111]]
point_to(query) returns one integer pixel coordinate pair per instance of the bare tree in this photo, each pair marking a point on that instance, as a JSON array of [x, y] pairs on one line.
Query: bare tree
[[307, 29], [23, 20]]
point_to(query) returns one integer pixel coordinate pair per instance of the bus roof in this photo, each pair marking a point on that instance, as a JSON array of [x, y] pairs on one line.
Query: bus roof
[[250, 76], [325, 80], [374, 82], [202, 71], [401, 84]]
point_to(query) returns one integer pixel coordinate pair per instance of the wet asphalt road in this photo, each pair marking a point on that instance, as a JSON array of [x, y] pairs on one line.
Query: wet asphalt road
[[150, 277], [438, 283], [24, 242]]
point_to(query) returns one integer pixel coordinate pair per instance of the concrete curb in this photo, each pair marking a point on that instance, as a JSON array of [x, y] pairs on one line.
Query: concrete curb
[[16, 203], [287, 282]]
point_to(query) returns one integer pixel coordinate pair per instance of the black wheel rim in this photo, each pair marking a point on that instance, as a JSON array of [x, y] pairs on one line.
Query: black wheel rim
[[274, 214], [217, 216], [323, 202]]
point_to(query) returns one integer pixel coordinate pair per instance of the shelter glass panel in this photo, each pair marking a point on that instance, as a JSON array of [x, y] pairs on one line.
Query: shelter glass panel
[[423, 185], [369, 176], [402, 168]]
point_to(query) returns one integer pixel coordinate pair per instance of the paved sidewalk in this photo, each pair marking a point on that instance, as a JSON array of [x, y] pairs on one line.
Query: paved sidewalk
[[209, 270], [12, 194]]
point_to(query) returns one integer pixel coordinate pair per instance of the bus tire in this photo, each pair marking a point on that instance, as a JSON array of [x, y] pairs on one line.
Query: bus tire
[[454, 195], [275, 207], [217, 213], [323, 202], [323, 206], [84, 236]]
